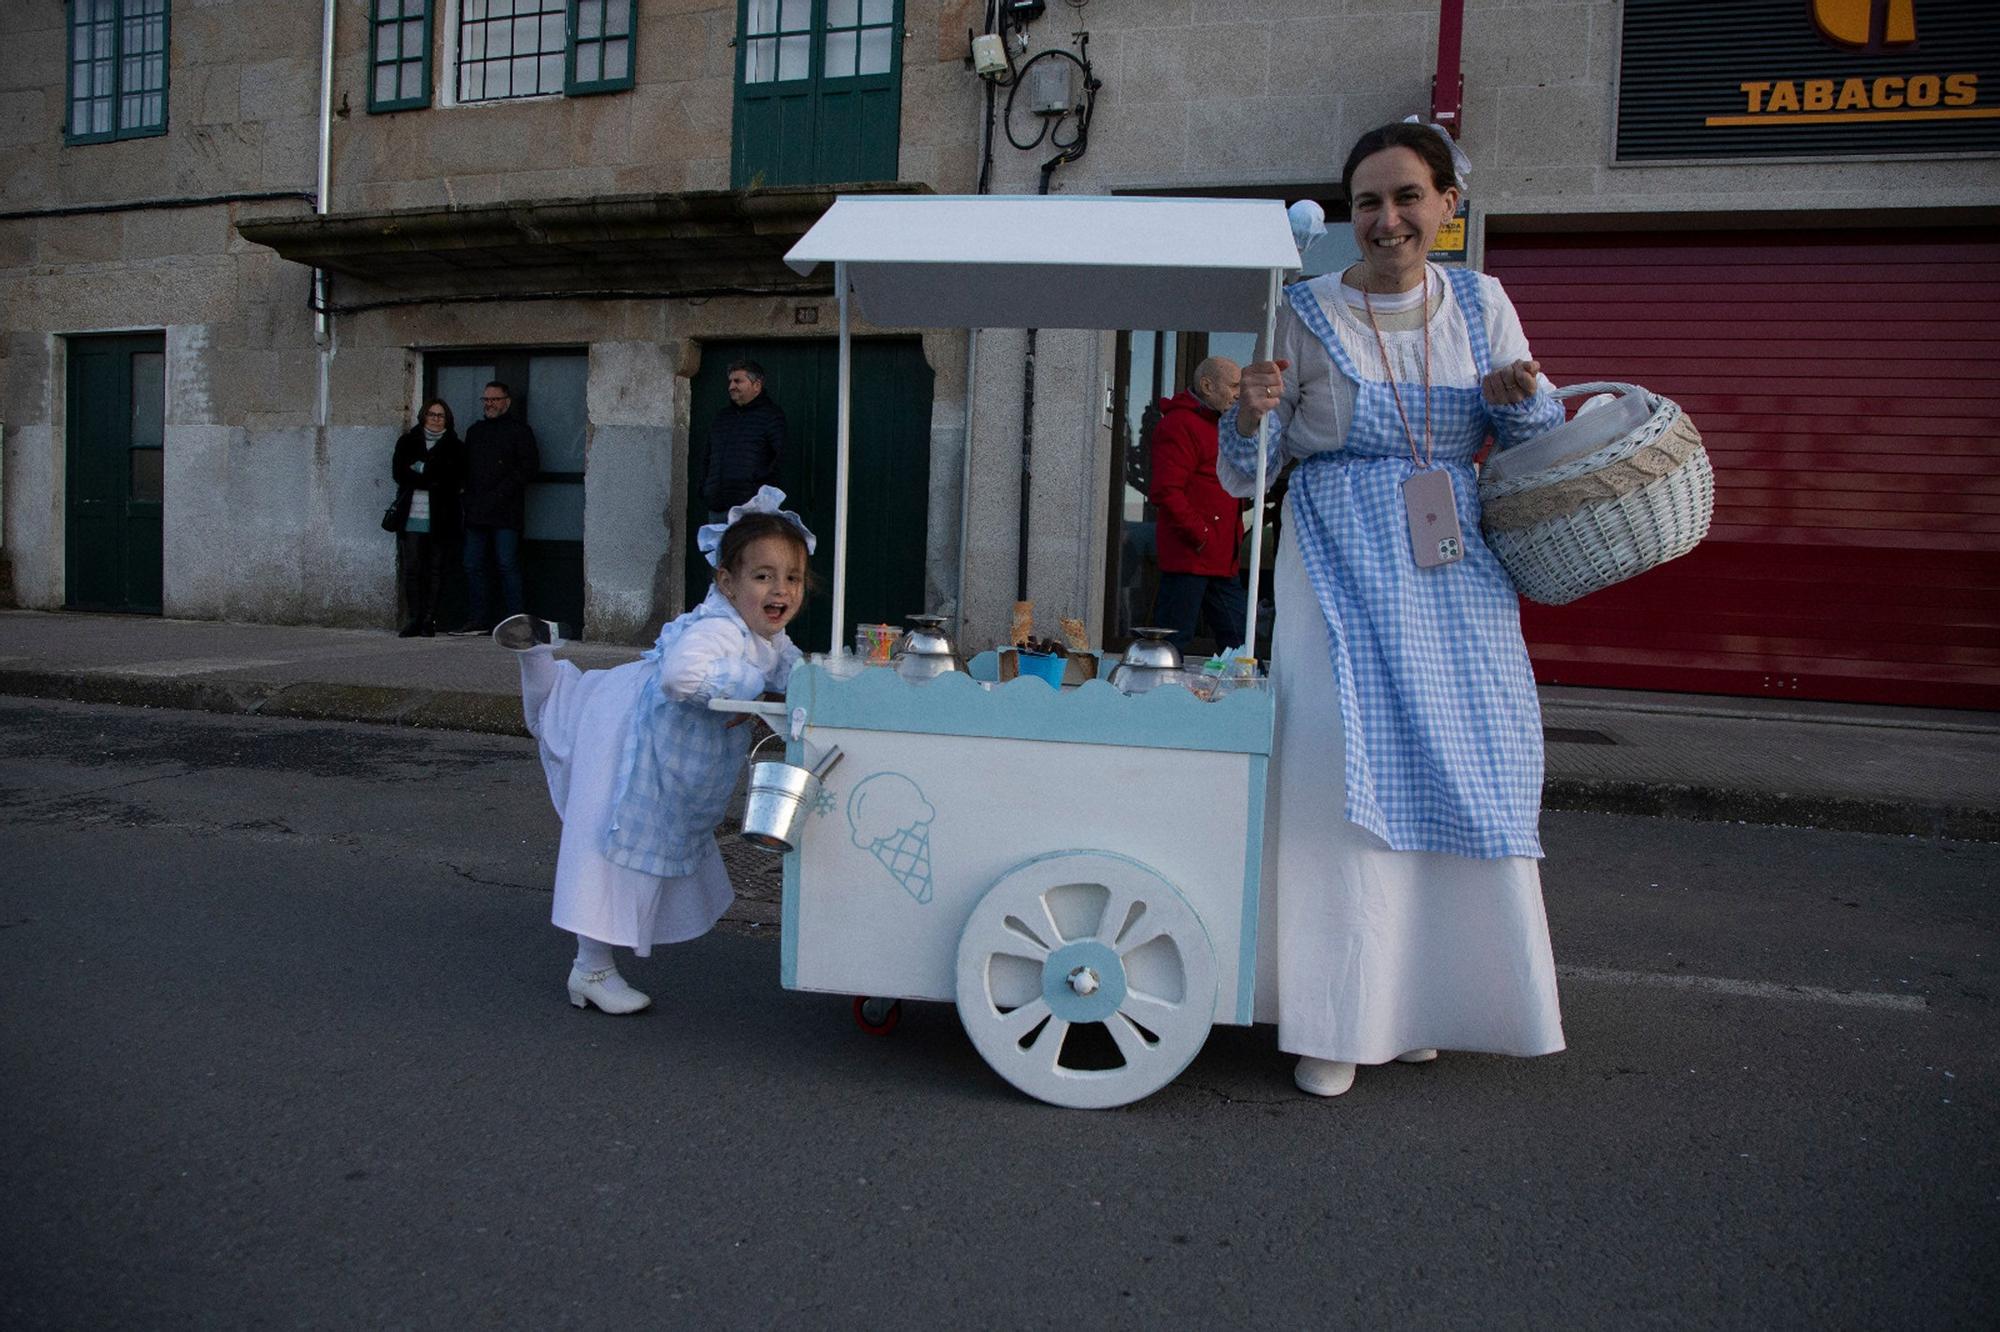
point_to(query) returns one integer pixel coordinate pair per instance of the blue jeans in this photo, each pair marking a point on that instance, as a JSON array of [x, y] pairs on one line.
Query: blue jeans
[[1184, 599], [488, 549]]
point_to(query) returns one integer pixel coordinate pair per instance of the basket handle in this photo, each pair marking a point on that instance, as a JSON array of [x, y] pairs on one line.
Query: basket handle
[[769, 736], [1601, 386]]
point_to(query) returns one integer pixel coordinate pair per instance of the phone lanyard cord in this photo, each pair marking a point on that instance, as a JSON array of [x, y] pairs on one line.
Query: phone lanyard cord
[[1424, 311]]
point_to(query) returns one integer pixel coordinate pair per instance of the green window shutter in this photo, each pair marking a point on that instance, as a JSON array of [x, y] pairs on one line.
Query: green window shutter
[[818, 91], [117, 70], [399, 54], [601, 46]]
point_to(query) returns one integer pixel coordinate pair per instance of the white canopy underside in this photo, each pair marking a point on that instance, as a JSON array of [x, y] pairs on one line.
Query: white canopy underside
[[1038, 261]]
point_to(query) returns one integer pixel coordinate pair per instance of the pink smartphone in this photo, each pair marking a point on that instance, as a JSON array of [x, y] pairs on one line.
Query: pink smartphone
[[1435, 537]]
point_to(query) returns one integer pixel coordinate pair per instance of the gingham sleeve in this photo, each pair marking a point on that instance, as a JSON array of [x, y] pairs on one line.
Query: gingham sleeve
[[709, 660], [1236, 455], [1520, 421]]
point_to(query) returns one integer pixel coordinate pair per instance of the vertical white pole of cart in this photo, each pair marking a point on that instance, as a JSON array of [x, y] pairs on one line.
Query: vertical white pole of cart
[[1267, 350], [840, 467]]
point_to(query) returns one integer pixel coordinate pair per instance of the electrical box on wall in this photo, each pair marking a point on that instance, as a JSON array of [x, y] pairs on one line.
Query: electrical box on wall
[[1052, 88], [988, 55]]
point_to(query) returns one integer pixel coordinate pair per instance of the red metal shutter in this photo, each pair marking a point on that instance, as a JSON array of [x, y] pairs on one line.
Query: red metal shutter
[[1847, 385]]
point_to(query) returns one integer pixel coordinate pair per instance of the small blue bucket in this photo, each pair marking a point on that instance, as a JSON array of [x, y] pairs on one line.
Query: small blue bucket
[[1045, 666]]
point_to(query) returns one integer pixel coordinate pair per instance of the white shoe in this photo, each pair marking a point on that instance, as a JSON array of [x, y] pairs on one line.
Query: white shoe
[[1423, 1056], [1323, 1077], [605, 988], [518, 633]]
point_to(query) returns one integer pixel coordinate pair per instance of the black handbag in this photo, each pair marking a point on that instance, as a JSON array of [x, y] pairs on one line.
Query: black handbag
[[398, 511]]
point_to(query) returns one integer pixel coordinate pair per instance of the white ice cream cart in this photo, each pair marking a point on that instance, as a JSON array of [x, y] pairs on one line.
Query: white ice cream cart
[[1079, 870]]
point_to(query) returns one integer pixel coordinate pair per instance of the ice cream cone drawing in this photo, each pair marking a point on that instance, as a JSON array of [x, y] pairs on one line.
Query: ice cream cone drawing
[[891, 820]]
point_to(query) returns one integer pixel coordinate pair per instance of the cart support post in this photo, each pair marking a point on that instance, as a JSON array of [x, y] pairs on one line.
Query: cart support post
[[840, 465], [1266, 350]]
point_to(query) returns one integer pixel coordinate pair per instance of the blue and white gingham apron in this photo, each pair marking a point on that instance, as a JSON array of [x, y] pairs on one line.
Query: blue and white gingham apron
[[1437, 699]]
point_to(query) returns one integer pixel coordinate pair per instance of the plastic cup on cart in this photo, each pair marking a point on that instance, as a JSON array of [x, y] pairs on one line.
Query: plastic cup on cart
[[1043, 666]]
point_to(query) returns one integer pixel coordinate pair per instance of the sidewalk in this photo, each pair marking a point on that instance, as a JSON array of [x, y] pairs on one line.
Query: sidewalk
[[1869, 769]]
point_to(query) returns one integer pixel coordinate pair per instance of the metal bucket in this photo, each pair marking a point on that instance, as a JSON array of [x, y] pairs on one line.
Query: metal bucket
[[779, 795]]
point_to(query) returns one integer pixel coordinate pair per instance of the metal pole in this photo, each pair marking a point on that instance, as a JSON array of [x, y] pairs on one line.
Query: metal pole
[[1266, 350], [840, 466]]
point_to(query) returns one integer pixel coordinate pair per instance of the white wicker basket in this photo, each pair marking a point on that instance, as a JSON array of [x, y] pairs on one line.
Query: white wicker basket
[[1613, 493]]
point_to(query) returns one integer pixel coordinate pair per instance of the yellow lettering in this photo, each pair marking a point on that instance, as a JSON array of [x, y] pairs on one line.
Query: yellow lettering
[[1888, 92], [1924, 90], [1845, 21], [1755, 92], [1853, 93], [1784, 96], [1819, 94], [1961, 89]]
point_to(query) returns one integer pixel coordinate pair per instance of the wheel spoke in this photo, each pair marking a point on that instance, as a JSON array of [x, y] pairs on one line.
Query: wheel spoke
[[1048, 1043], [1013, 1026], [1116, 908], [1150, 1012], [1056, 937], [998, 937], [1142, 934], [1130, 1043]]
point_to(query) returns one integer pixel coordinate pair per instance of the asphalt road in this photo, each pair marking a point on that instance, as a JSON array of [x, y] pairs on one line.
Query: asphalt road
[[283, 1043]]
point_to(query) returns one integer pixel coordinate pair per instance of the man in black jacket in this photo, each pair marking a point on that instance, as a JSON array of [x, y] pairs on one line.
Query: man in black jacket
[[500, 460], [746, 442]]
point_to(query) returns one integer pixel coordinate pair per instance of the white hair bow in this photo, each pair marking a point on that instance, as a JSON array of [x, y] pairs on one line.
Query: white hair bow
[[768, 499]]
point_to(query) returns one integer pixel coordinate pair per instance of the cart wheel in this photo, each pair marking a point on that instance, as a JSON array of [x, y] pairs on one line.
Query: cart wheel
[[1085, 979], [877, 1017]]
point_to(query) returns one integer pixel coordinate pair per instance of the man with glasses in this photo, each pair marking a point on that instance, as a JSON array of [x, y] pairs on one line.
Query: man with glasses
[[501, 458]]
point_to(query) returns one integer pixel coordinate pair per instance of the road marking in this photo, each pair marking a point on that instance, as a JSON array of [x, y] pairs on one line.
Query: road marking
[[184, 666], [1743, 989]]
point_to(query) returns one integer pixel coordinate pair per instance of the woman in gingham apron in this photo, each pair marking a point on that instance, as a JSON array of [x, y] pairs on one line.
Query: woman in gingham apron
[[1408, 764]]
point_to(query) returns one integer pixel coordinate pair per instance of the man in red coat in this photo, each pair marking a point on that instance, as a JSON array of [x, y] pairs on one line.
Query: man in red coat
[[1200, 523]]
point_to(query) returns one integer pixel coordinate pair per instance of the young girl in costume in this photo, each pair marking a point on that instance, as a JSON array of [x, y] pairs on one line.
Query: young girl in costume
[[641, 770]]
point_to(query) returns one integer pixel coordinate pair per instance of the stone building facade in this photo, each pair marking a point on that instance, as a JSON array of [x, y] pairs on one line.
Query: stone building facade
[[341, 206]]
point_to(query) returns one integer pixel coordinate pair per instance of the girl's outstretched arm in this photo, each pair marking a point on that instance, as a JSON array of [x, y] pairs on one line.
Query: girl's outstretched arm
[[710, 660]]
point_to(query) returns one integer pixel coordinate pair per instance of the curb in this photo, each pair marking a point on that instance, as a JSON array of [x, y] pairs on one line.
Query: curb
[[497, 714], [430, 709], [1707, 804]]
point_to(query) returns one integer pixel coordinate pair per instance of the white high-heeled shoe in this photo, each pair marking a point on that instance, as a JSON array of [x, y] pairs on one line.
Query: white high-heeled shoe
[[607, 989], [1422, 1056], [1323, 1077]]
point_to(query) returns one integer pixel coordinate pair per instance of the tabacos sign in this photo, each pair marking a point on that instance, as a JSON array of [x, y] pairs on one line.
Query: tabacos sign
[[1764, 78]]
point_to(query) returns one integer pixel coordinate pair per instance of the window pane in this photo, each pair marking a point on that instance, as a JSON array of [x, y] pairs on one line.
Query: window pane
[[618, 22], [794, 57], [471, 82], [101, 38], [149, 389], [413, 79], [760, 61], [413, 8], [839, 54], [875, 50], [385, 44], [587, 62], [100, 117], [527, 36], [763, 17], [877, 11], [156, 110], [797, 15], [413, 39], [552, 33], [385, 83], [840, 13], [552, 73], [589, 19], [475, 10], [148, 475], [618, 59], [499, 40]]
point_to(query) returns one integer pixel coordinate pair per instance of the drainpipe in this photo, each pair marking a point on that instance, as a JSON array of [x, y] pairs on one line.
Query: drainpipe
[[323, 322], [1448, 87]]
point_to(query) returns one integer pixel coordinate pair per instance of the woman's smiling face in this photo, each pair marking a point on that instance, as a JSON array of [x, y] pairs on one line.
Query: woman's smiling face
[[768, 585], [1397, 212]]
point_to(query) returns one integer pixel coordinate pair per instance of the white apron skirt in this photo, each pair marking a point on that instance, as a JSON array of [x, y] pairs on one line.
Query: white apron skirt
[[580, 719], [1380, 952]]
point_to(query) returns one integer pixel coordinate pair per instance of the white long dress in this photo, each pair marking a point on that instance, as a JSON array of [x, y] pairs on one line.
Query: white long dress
[[1379, 951]]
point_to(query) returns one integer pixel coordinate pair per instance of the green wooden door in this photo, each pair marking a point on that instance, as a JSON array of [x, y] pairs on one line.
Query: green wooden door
[[115, 477], [818, 91], [889, 488]]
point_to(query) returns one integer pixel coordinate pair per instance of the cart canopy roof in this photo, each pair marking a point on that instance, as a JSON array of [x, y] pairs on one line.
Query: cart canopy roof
[[1039, 261]]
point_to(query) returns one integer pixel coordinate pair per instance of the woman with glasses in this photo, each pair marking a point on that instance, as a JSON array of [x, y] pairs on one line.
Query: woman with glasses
[[429, 467]]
